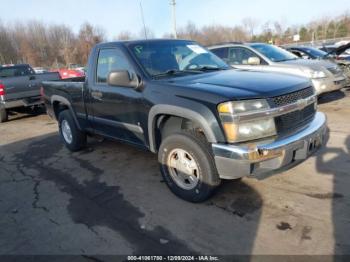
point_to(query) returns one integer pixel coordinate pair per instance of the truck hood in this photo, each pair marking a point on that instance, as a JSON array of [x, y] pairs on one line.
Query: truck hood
[[312, 64], [244, 84]]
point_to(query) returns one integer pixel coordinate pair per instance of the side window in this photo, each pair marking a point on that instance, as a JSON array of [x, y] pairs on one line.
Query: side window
[[221, 52], [109, 60], [296, 52], [304, 55], [240, 56], [23, 71]]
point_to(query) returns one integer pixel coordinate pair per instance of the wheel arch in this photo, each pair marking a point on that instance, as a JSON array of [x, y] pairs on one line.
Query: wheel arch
[[160, 112], [60, 103]]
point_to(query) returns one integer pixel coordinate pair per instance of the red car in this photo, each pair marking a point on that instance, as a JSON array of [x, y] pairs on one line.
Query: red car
[[70, 73]]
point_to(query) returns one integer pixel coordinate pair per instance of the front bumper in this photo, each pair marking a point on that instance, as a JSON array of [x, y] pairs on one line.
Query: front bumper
[[235, 161], [329, 84]]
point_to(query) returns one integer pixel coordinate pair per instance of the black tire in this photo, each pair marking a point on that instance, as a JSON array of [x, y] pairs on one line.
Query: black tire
[[3, 115], [199, 149], [78, 137]]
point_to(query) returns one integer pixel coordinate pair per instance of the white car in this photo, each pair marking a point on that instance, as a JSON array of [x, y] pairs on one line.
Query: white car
[[325, 76], [40, 70]]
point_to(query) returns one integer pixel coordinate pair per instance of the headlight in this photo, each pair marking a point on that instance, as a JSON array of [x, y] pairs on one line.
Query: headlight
[[238, 131], [243, 106], [315, 74]]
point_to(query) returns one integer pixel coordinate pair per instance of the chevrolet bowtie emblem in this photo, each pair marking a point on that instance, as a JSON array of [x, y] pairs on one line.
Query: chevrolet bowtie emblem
[[301, 103]]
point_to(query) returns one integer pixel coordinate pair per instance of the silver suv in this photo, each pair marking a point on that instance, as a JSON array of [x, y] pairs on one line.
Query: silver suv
[[326, 76]]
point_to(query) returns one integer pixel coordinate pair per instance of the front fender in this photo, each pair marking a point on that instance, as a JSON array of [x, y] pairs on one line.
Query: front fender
[[198, 113]]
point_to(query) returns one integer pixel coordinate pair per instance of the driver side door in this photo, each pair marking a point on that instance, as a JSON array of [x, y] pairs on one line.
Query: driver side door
[[116, 110]]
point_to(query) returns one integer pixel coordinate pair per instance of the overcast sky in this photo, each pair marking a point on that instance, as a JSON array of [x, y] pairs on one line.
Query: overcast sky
[[120, 15]]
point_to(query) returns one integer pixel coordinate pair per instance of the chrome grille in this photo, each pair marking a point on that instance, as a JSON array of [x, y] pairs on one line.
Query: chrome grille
[[292, 97], [294, 120]]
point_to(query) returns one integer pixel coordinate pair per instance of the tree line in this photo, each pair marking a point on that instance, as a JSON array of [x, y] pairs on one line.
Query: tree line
[[57, 45], [277, 32], [51, 46]]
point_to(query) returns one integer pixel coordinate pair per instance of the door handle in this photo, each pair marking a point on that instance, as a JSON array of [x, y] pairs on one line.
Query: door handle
[[97, 95]]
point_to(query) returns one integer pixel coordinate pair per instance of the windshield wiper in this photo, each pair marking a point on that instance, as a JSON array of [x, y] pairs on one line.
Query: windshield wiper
[[174, 72]]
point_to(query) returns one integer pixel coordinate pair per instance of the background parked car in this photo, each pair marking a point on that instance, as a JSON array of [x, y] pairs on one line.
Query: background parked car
[[20, 87], [325, 75], [341, 52], [69, 73], [308, 52], [76, 67], [40, 70]]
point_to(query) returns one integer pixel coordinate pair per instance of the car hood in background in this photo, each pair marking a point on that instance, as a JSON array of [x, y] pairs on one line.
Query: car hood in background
[[340, 49], [313, 64]]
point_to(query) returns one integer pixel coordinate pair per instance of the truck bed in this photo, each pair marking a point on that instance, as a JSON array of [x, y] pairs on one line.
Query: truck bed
[[21, 87]]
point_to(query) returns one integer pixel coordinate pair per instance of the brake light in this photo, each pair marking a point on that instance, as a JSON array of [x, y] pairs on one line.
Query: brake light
[[2, 89]]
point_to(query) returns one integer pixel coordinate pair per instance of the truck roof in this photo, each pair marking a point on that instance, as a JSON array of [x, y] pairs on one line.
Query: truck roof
[[142, 41], [229, 44]]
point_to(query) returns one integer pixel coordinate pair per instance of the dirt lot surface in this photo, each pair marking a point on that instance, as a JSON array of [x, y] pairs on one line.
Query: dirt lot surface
[[110, 199]]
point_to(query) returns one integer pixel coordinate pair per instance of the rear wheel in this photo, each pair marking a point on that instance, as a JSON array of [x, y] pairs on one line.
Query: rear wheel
[[3, 115], [73, 138], [188, 167]]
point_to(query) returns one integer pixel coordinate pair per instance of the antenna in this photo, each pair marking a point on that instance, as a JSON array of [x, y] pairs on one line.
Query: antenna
[[143, 20], [173, 3]]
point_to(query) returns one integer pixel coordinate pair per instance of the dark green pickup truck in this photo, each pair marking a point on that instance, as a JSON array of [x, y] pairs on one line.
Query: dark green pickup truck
[[205, 120]]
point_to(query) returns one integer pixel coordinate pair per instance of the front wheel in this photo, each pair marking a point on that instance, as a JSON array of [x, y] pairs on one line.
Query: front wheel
[[3, 115], [73, 138], [187, 166]]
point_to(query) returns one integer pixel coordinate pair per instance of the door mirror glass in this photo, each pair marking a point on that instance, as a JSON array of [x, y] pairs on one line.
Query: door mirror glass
[[122, 78], [253, 61]]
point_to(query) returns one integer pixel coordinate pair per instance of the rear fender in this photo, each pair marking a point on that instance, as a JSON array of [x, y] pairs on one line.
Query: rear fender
[[64, 101]]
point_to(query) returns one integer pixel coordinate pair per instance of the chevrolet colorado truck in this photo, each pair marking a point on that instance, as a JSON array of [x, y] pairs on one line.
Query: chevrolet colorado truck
[[20, 87], [205, 120]]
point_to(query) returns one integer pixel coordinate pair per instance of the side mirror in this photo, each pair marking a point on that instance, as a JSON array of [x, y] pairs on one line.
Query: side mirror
[[122, 78], [253, 61], [32, 77]]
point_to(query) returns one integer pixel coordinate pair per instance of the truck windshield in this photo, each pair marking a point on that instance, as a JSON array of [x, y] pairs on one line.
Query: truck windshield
[[315, 52], [171, 58], [274, 53]]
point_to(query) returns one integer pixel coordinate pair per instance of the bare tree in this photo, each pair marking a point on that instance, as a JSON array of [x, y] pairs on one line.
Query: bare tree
[[87, 38], [63, 45], [146, 33], [191, 32], [8, 53], [250, 24], [124, 35]]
